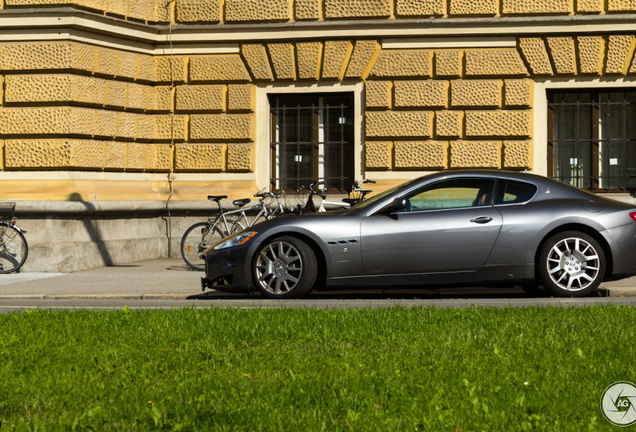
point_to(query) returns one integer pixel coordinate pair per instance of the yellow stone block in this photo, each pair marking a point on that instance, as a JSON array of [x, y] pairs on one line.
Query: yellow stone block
[[476, 93], [563, 54], [337, 54], [537, 7], [239, 157], [357, 8], [474, 7], [307, 10], [416, 124], [475, 154], [47, 121], [161, 11], [590, 6], [116, 155], [171, 127], [417, 94], [378, 94], [377, 155], [449, 123], [282, 56], [402, 63], [137, 96], [189, 11], [257, 61], [309, 59], [199, 157], [128, 65], [105, 123], [487, 62], [161, 98], [240, 97], [37, 153], [148, 157], [517, 154], [118, 7], [146, 127], [55, 88], [591, 54], [448, 63], [88, 154], [536, 55], [218, 68], [363, 53], [621, 5], [421, 154], [107, 61], [171, 69], [127, 125], [518, 93], [221, 127], [411, 8], [201, 98], [117, 92], [257, 10], [139, 9], [47, 56], [147, 68], [620, 50], [498, 123]]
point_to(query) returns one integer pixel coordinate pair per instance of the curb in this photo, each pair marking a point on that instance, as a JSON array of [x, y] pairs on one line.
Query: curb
[[97, 297]]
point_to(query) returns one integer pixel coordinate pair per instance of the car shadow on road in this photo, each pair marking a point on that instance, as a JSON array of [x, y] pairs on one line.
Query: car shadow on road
[[393, 294]]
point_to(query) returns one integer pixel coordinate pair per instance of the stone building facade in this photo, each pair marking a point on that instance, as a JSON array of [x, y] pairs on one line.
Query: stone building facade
[[118, 117]]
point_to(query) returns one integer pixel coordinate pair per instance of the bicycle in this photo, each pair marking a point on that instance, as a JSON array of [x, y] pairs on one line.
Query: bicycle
[[357, 194], [310, 207], [13, 245], [202, 235]]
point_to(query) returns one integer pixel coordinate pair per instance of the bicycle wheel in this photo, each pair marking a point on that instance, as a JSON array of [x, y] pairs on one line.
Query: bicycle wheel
[[13, 249], [195, 241]]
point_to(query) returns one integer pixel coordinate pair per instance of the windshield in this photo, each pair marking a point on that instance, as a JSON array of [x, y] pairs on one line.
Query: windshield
[[376, 198]]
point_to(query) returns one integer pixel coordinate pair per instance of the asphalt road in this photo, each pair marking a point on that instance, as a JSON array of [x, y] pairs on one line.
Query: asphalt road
[[168, 283]]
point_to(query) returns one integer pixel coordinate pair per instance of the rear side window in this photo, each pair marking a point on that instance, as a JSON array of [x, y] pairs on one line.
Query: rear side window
[[514, 192]]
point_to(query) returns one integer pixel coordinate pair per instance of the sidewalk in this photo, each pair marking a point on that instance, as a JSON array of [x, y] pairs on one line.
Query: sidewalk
[[172, 279]]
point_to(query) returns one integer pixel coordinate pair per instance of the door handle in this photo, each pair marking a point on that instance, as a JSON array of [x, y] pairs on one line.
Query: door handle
[[481, 220]]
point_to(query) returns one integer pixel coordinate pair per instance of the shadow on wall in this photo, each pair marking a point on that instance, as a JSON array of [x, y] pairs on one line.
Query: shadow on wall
[[92, 229]]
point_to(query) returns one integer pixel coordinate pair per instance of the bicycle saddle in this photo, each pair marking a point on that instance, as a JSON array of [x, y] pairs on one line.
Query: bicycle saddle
[[216, 198], [241, 202]]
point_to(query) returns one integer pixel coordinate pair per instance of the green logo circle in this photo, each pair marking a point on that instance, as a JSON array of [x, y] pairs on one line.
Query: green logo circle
[[618, 404]]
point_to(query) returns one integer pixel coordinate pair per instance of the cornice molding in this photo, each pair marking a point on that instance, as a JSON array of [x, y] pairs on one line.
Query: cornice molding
[[71, 24]]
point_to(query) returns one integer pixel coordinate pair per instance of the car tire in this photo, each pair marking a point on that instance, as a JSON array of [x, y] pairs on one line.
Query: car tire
[[571, 264], [285, 267]]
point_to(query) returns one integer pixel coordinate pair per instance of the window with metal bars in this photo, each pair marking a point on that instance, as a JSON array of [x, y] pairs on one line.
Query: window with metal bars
[[312, 140], [592, 138]]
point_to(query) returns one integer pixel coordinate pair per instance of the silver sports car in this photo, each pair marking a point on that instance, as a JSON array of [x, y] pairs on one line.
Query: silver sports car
[[462, 228]]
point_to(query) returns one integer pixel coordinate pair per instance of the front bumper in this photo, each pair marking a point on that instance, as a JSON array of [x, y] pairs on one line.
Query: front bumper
[[226, 270]]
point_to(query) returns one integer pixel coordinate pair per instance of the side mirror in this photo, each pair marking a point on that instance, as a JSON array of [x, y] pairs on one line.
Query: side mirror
[[395, 206]]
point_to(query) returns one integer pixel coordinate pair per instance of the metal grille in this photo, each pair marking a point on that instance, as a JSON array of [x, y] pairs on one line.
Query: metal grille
[[592, 139], [312, 140]]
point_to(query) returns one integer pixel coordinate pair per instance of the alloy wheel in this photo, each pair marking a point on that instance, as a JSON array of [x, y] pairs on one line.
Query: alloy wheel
[[279, 267], [573, 264]]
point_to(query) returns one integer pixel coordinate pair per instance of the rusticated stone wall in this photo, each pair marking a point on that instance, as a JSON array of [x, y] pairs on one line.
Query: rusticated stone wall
[[69, 105], [249, 11]]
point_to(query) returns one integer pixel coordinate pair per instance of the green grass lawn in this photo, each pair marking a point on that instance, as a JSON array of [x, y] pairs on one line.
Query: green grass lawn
[[289, 369]]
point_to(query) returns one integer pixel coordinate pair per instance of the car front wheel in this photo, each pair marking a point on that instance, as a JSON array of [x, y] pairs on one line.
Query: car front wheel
[[572, 264], [285, 267]]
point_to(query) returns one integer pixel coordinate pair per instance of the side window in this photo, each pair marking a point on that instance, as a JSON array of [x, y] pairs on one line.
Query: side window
[[514, 192], [456, 193]]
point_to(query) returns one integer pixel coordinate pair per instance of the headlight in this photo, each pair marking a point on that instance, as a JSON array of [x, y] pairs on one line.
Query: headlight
[[235, 240]]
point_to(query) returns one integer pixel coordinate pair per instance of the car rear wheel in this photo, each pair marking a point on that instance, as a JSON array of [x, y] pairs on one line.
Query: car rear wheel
[[285, 267], [572, 264]]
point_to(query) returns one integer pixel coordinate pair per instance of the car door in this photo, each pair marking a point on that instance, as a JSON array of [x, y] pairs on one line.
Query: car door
[[448, 226]]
